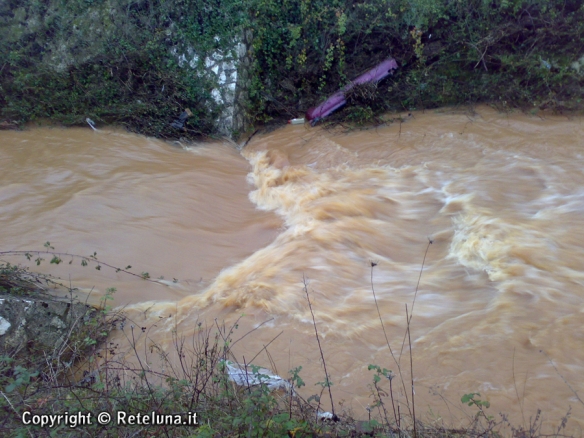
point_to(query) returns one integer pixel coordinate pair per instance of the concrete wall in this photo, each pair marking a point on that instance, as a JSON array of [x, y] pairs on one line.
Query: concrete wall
[[231, 72], [241, 117]]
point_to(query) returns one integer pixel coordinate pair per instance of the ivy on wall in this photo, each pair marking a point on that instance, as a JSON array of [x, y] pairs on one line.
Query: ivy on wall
[[120, 60], [114, 61], [514, 53]]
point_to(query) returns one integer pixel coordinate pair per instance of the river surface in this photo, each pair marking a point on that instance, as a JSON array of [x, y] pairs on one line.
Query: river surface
[[500, 305]]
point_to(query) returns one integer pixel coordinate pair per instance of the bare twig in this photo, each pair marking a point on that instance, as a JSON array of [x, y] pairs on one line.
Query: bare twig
[[379, 397], [327, 381], [252, 330], [244, 144], [15, 411], [265, 346], [430, 241], [87, 259], [373, 264], [482, 58], [411, 374], [562, 377], [395, 415], [400, 123], [516, 391]]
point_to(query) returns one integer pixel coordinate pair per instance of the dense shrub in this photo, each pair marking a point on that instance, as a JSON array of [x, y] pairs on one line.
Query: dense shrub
[[114, 61], [512, 52], [119, 61]]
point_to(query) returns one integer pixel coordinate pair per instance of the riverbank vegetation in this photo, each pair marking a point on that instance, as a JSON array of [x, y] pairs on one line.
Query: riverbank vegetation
[[514, 53], [194, 381], [112, 61], [140, 63]]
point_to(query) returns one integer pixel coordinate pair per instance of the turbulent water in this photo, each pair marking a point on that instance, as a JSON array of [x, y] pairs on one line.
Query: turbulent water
[[491, 204]]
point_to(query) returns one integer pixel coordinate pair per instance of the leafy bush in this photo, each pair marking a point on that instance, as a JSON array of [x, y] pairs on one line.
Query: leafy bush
[[112, 61], [120, 61], [509, 52], [101, 378]]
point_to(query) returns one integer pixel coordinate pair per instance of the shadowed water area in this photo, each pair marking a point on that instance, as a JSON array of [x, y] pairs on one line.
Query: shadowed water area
[[501, 196]]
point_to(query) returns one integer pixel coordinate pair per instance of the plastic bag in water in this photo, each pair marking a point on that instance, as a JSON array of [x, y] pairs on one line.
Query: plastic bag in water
[[251, 376]]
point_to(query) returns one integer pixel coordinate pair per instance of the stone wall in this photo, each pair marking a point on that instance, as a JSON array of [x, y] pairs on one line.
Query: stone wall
[[230, 71], [241, 117], [30, 324], [109, 60]]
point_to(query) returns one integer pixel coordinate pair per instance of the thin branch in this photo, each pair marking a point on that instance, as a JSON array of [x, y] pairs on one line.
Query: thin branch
[[265, 347], [373, 264], [12, 406], [562, 377], [516, 391], [87, 259], [252, 330], [327, 381], [411, 374], [430, 241]]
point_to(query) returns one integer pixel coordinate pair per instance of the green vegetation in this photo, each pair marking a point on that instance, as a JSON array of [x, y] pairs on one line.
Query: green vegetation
[[112, 61], [513, 53], [89, 374], [119, 61]]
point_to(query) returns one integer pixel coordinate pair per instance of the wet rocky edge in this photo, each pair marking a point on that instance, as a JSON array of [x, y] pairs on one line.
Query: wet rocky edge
[[31, 325], [41, 320]]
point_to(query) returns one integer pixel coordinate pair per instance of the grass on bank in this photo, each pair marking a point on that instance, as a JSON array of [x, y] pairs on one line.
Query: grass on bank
[[102, 378]]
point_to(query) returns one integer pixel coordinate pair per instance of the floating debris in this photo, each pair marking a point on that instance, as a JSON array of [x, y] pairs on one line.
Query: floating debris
[[253, 376], [91, 123], [337, 100]]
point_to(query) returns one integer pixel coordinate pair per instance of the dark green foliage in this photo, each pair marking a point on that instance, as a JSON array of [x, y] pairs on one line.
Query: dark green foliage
[[514, 53], [118, 61], [112, 61]]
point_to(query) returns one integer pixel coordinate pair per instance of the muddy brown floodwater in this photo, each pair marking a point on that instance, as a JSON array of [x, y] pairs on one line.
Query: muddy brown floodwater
[[500, 305]]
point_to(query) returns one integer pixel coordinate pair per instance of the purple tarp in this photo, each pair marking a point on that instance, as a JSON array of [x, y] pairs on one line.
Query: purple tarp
[[337, 100]]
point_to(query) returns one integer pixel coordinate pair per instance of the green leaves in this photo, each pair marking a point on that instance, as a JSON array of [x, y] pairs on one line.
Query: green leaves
[[327, 383], [56, 260], [115, 62], [472, 400], [296, 379], [22, 377]]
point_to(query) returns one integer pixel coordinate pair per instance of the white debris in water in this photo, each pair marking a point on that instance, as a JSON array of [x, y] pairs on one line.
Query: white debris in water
[[326, 415], [252, 376]]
